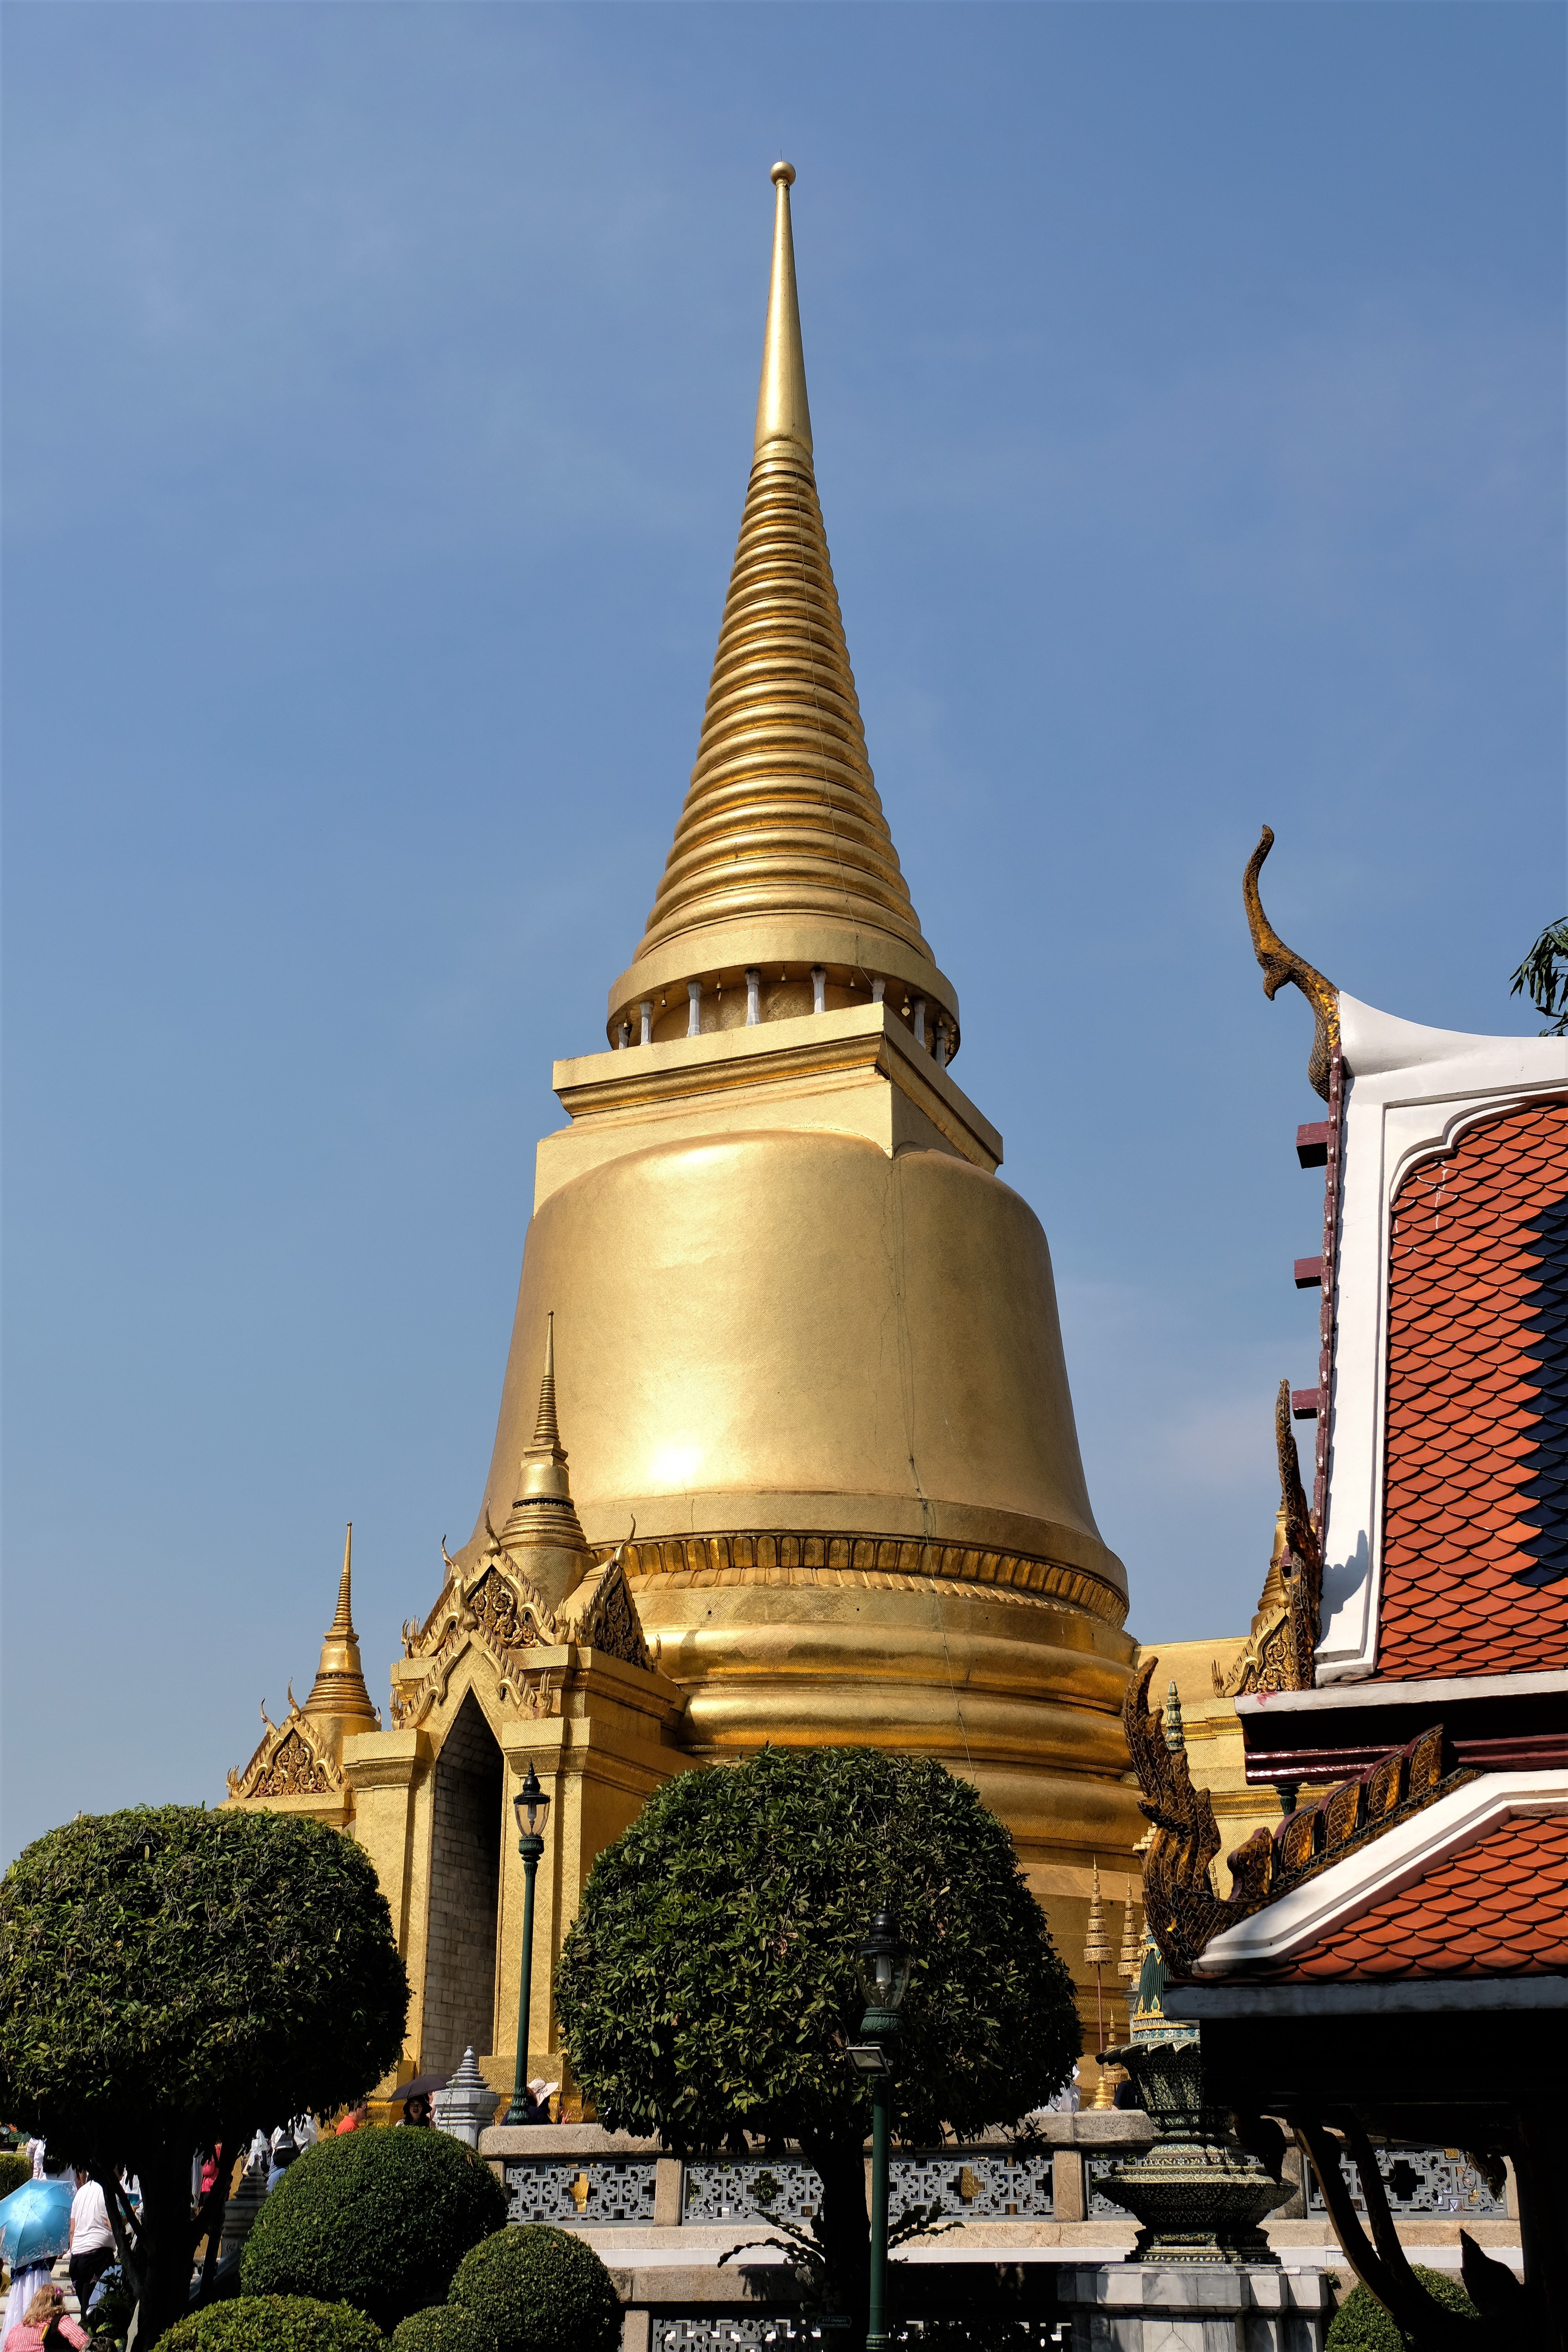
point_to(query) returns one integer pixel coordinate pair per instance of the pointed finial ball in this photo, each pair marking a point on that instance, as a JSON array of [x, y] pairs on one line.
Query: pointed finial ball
[[784, 172]]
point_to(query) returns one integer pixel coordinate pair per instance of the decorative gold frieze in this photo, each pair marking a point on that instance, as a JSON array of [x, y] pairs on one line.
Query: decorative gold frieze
[[902, 1559]]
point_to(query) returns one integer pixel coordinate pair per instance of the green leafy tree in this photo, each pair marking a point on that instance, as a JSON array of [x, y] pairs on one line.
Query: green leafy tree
[[1543, 977], [171, 1978], [711, 1978]]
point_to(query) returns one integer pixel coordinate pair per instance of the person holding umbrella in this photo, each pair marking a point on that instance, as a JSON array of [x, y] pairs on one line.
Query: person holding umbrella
[[35, 2231]]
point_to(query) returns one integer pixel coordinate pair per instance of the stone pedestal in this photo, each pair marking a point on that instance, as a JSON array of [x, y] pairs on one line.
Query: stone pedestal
[[1148, 2307], [467, 2104]]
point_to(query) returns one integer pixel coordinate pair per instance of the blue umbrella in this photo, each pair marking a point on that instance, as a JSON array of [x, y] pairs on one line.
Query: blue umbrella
[[35, 2222]]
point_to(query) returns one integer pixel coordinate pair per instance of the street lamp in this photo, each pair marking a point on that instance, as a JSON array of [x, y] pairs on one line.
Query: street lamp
[[530, 1805], [884, 1979]]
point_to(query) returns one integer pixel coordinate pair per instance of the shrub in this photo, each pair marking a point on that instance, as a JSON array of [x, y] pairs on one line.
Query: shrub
[[540, 2290], [112, 2314], [15, 2166], [378, 2218], [274, 2323], [444, 2327], [1362, 2325]]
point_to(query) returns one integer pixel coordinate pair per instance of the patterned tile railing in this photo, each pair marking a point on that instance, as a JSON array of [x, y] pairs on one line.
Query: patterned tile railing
[[981, 2185], [1419, 2180], [581, 2189], [750, 2188]]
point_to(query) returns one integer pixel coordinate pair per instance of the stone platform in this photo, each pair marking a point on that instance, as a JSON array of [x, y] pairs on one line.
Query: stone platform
[[1148, 2307]]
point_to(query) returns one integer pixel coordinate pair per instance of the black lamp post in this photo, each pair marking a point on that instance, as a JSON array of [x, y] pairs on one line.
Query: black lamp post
[[530, 1805], [884, 1977]]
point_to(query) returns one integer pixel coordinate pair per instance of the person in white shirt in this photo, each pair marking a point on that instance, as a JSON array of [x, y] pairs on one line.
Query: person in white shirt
[[91, 2239]]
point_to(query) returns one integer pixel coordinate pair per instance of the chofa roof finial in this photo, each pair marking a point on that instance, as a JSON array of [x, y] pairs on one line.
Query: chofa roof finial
[[1281, 963]]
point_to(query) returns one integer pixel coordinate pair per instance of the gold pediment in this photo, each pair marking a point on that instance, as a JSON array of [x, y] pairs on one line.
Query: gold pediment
[[291, 1760]]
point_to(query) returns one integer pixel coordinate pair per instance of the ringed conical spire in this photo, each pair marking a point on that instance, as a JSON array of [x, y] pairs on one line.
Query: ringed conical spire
[[543, 1533], [337, 1696], [783, 892]]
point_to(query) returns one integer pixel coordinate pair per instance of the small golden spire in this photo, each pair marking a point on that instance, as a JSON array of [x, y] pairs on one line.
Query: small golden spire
[[1097, 1943], [543, 1534], [339, 1700], [782, 410], [1130, 1960], [546, 1431]]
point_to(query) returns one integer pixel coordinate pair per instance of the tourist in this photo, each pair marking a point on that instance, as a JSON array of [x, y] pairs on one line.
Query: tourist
[[285, 2149], [536, 2106], [416, 2110], [357, 2115], [45, 2326], [92, 2240]]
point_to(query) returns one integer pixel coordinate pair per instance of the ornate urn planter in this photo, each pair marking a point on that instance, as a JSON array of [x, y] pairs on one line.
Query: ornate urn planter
[[1198, 2193]]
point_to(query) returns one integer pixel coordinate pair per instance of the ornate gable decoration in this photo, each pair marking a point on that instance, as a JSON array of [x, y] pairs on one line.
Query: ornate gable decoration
[[1183, 1912], [1280, 1652], [500, 1612], [291, 1760]]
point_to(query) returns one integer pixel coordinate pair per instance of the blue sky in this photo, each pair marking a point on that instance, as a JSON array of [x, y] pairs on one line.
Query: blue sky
[[1188, 390]]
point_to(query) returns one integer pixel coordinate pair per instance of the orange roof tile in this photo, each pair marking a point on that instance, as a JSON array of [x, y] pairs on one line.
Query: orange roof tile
[[1476, 1457], [1500, 1908]]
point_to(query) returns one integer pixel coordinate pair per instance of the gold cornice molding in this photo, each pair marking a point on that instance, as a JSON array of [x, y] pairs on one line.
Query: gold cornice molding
[[769, 1554], [871, 1039]]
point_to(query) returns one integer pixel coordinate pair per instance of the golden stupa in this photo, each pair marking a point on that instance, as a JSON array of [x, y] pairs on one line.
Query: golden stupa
[[801, 1341]]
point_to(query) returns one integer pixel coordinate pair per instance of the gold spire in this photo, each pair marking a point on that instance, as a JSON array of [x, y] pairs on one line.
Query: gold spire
[[543, 1534], [1096, 1942], [339, 1699], [1130, 1959], [783, 413], [782, 862]]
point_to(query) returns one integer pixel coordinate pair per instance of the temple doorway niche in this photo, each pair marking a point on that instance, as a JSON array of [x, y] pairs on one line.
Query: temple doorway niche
[[465, 1892]]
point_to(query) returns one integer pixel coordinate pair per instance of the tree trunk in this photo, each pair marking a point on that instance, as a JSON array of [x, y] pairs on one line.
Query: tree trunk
[[844, 2226], [168, 2239]]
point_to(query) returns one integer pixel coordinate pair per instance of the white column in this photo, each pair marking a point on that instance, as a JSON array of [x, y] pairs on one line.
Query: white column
[[942, 1034], [920, 1021], [878, 990], [818, 988], [623, 1037], [646, 1009], [753, 1011], [694, 1012]]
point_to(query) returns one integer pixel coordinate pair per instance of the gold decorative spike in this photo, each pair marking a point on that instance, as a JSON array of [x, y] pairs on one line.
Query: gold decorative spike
[[546, 1432], [1281, 1649], [1130, 1959], [339, 1701], [783, 413], [1096, 1953], [1097, 1943], [782, 861], [1281, 963], [542, 1537]]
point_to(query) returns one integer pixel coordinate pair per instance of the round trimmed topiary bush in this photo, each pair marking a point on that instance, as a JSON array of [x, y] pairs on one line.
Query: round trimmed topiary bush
[[540, 2290], [274, 2323], [378, 2218], [444, 2327], [1362, 2325], [16, 2167]]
